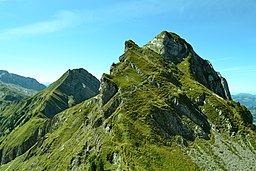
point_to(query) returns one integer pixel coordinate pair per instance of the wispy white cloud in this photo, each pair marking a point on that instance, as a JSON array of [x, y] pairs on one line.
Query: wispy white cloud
[[58, 22], [105, 15], [240, 69]]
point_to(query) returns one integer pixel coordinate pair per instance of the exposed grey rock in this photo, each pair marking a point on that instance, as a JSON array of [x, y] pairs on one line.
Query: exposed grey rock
[[107, 90], [171, 125], [171, 46], [204, 73], [224, 154], [175, 49], [194, 115], [111, 108], [80, 84], [76, 86]]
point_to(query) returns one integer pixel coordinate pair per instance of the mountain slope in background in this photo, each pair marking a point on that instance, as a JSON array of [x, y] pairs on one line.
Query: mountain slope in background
[[249, 100], [14, 88], [156, 110], [10, 93], [253, 111], [25, 82]]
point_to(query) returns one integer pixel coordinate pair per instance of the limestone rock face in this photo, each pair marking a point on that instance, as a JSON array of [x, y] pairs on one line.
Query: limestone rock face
[[107, 90], [204, 73], [25, 82], [72, 88], [80, 84], [176, 50], [171, 46]]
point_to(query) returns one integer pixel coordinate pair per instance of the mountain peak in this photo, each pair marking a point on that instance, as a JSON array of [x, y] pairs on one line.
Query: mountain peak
[[171, 46], [176, 50], [129, 44], [78, 83]]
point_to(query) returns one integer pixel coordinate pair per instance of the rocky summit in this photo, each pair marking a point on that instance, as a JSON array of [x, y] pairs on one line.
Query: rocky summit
[[176, 50], [161, 107]]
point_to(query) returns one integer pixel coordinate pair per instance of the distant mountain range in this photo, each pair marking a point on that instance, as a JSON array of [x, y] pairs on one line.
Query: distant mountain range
[[249, 100], [25, 82]]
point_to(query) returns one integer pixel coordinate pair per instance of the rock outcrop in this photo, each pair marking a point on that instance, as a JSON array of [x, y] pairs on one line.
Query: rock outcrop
[[107, 89], [80, 84]]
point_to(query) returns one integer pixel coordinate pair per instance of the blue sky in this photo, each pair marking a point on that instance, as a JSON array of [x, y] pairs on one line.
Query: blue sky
[[43, 38]]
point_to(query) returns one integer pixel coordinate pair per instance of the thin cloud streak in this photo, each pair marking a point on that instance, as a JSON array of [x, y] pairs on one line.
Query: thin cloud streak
[[239, 69], [68, 19], [60, 21]]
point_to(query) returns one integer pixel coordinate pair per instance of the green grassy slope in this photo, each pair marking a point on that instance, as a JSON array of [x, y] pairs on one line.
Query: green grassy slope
[[11, 92]]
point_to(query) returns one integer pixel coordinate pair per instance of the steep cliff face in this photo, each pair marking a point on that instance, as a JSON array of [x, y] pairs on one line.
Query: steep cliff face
[[25, 82], [178, 51], [33, 115], [151, 113]]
